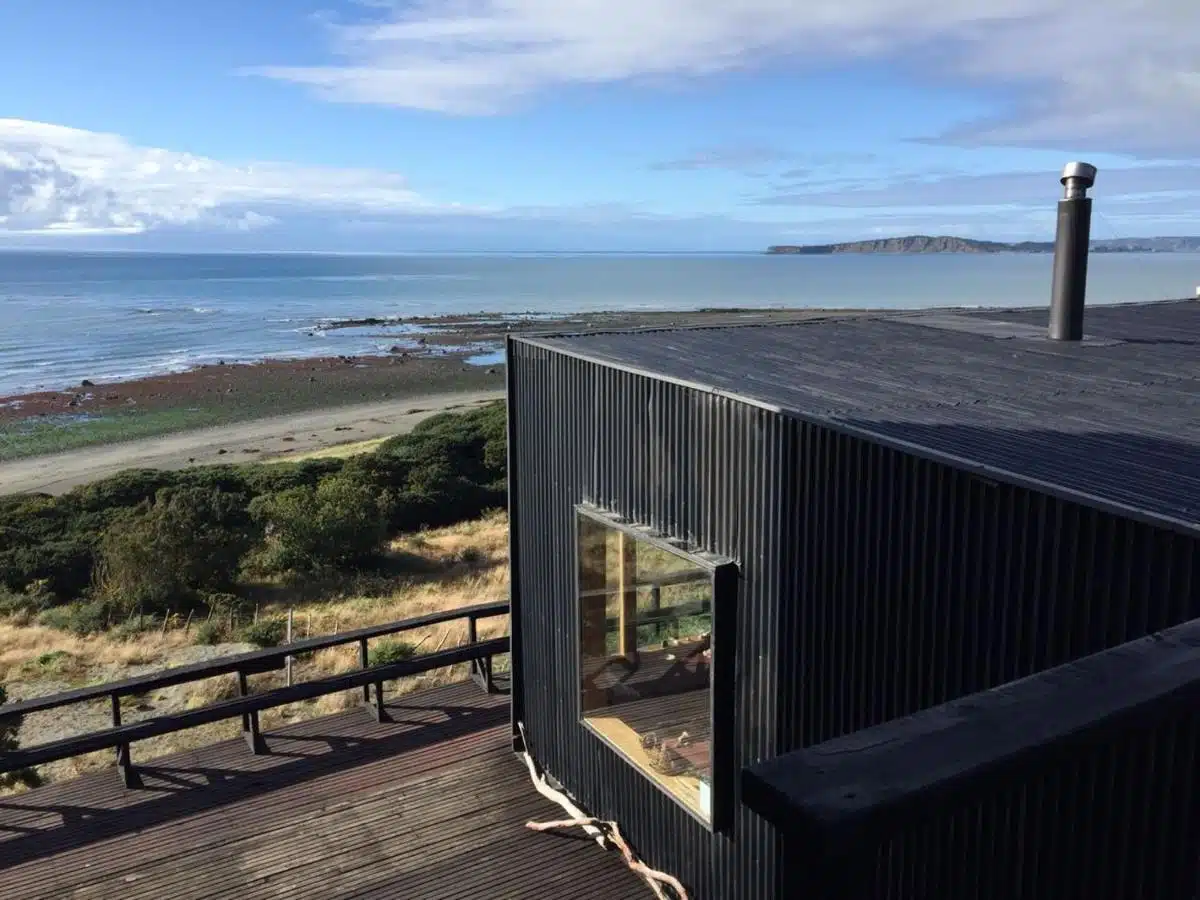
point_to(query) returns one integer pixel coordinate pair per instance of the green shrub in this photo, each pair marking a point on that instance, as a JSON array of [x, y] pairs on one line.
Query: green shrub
[[265, 632], [135, 625], [36, 598], [12, 603], [52, 659], [65, 566], [450, 468], [9, 741], [210, 633], [389, 650], [340, 522], [276, 477], [222, 604], [190, 539], [81, 618], [151, 539], [123, 490]]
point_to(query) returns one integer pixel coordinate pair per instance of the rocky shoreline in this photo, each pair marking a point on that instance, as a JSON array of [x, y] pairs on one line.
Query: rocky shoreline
[[434, 354]]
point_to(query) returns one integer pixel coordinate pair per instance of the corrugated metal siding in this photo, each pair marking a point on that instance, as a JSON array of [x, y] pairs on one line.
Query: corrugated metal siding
[[1117, 821], [914, 583], [1115, 423], [875, 583], [697, 467]]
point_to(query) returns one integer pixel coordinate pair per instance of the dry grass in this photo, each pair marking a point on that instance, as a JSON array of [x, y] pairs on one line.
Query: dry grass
[[21, 646], [459, 566], [337, 451]]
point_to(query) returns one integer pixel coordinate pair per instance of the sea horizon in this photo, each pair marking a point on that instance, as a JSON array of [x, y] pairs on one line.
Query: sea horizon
[[117, 315]]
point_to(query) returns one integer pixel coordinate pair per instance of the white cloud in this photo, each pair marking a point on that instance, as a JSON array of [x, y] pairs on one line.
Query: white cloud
[[1124, 74], [1115, 187], [56, 180]]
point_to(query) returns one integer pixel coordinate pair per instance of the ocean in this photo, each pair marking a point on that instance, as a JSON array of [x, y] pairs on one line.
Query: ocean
[[66, 317]]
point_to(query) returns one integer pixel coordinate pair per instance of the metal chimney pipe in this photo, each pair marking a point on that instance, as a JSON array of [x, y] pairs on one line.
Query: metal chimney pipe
[[1071, 253]]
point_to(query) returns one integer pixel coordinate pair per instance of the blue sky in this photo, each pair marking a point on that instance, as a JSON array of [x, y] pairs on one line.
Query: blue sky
[[597, 124]]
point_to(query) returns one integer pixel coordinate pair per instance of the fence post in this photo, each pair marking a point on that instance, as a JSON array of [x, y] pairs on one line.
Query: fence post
[[129, 775], [288, 661]]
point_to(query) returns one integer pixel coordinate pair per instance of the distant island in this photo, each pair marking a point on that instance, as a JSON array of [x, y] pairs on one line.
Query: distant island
[[921, 243]]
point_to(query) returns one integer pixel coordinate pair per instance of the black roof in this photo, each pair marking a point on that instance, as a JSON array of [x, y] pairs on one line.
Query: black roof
[[1114, 419]]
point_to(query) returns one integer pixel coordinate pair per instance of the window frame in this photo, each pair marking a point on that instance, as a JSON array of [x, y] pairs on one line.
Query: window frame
[[724, 577]]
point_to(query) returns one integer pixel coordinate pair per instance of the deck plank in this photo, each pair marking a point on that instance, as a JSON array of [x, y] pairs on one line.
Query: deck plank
[[431, 805]]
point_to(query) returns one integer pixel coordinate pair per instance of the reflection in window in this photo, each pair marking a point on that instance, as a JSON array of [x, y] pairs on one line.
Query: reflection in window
[[646, 625]]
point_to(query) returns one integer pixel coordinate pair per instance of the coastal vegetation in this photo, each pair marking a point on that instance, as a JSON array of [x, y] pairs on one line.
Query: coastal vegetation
[[432, 570], [132, 549]]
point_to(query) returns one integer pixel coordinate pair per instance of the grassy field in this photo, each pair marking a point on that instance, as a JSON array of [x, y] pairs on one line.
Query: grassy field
[[458, 566]]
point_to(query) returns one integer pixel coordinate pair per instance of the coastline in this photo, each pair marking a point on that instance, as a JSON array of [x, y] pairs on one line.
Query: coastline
[[256, 440], [446, 356]]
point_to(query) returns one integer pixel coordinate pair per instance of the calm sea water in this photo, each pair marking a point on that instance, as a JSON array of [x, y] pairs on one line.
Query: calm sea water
[[65, 317]]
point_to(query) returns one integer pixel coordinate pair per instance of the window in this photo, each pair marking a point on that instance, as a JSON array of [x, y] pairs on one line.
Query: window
[[646, 619]]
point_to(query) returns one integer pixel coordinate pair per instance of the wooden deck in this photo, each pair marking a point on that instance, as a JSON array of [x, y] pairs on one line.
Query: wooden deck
[[431, 805]]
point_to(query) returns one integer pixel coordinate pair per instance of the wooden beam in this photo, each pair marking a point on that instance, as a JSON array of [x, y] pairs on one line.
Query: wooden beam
[[627, 580]]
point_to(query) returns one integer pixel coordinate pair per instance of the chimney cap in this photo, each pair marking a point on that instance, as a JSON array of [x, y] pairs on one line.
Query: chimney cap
[[1081, 171]]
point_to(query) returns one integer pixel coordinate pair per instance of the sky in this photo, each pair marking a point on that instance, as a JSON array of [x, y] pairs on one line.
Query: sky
[[658, 125]]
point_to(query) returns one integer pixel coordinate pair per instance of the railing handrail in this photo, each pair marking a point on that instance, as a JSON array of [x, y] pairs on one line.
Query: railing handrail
[[252, 662], [869, 782], [123, 735]]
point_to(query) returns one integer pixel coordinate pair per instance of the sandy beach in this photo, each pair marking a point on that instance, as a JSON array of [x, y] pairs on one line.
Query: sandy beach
[[260, 439]]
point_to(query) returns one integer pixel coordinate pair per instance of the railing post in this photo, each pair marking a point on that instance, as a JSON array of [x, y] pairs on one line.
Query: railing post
[[250, 728], [129, 775], [481, 669], [376, 709], [381, 714], [364, 659], [655, 607], [288, 662]]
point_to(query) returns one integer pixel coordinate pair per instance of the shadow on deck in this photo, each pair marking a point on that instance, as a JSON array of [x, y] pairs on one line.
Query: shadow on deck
[[430, 805]]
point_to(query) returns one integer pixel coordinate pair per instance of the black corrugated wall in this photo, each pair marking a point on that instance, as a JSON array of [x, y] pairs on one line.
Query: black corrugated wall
[[697, 467], [1115, 820], [914, 583], [875, 583]]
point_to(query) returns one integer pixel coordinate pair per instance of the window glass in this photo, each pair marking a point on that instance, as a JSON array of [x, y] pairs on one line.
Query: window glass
[[645, 646]]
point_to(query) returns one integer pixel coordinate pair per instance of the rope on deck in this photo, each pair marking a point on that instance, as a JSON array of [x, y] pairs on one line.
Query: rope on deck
[[607, 834]]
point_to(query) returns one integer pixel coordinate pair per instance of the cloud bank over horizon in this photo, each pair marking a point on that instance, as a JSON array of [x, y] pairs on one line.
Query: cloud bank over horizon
[[56, 179], [78, 188]]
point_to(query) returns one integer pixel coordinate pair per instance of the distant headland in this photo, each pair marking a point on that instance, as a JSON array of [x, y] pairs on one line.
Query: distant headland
[[921, 243]]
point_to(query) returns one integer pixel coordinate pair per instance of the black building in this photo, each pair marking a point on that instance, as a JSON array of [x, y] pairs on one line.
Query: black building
[[732, 546]]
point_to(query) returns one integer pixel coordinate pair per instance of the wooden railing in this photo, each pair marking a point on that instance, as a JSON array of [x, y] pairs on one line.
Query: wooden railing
[[478, 653], [838, 803]]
